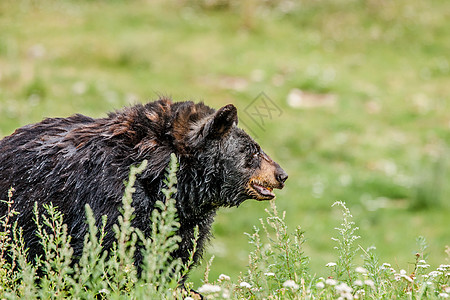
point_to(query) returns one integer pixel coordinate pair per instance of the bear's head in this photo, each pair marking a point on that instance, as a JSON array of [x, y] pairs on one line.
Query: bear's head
[[232, 165]]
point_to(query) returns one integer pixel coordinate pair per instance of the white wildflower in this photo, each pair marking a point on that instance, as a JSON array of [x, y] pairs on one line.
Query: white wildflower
[[347, 296], [443, 295], [361, 270], [370, 283], [245, 284], [209, 288], [127, 269], [344, 291], [360, 292], [104, 291], [407, 278], [447, 289], [330, 264], [223, 277], [434, 273], [402, 272], [343, 288], [188, 298], [291, 284], [422, 261], [424, 266], [385, 266], [269, 274], [320, 285], [358, 282], [330, 281]]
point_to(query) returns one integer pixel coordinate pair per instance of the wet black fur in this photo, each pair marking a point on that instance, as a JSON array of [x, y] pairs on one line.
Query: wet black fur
[[80, 160]]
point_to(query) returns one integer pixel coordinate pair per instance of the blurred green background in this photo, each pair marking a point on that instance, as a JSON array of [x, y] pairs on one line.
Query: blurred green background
[[361, 87]]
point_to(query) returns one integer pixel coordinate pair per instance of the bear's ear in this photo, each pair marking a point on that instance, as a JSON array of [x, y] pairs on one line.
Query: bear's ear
[[221, 122], [213, 126]]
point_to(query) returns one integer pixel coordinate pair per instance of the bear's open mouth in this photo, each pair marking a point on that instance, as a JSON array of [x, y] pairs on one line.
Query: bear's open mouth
[[264, 192]]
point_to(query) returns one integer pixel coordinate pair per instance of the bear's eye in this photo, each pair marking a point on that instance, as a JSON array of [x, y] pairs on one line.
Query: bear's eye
[[256, 155]]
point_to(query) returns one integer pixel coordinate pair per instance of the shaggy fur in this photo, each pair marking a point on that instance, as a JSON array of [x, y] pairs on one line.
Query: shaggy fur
[[80, 160]]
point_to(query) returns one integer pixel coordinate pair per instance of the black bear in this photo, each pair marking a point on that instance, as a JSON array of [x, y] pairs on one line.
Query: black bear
[[80, 160]]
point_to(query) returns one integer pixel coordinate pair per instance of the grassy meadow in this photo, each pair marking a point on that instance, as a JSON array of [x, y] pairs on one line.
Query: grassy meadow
[[360, 92]]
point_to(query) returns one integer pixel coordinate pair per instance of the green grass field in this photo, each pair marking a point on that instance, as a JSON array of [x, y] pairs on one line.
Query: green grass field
[[372, 126]]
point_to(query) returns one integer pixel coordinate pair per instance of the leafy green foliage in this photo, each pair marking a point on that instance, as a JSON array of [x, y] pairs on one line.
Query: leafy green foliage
[[277, 266], [345, 245], [278, 269], [55, 264], [97, 274], [5, 240], [277, 257]]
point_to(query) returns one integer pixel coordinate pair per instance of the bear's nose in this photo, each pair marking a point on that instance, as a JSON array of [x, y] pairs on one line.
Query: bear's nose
[[281, 175]]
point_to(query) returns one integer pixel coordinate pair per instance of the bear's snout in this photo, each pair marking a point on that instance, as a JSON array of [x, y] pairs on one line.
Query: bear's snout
[[267, 177], [281, 176]]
